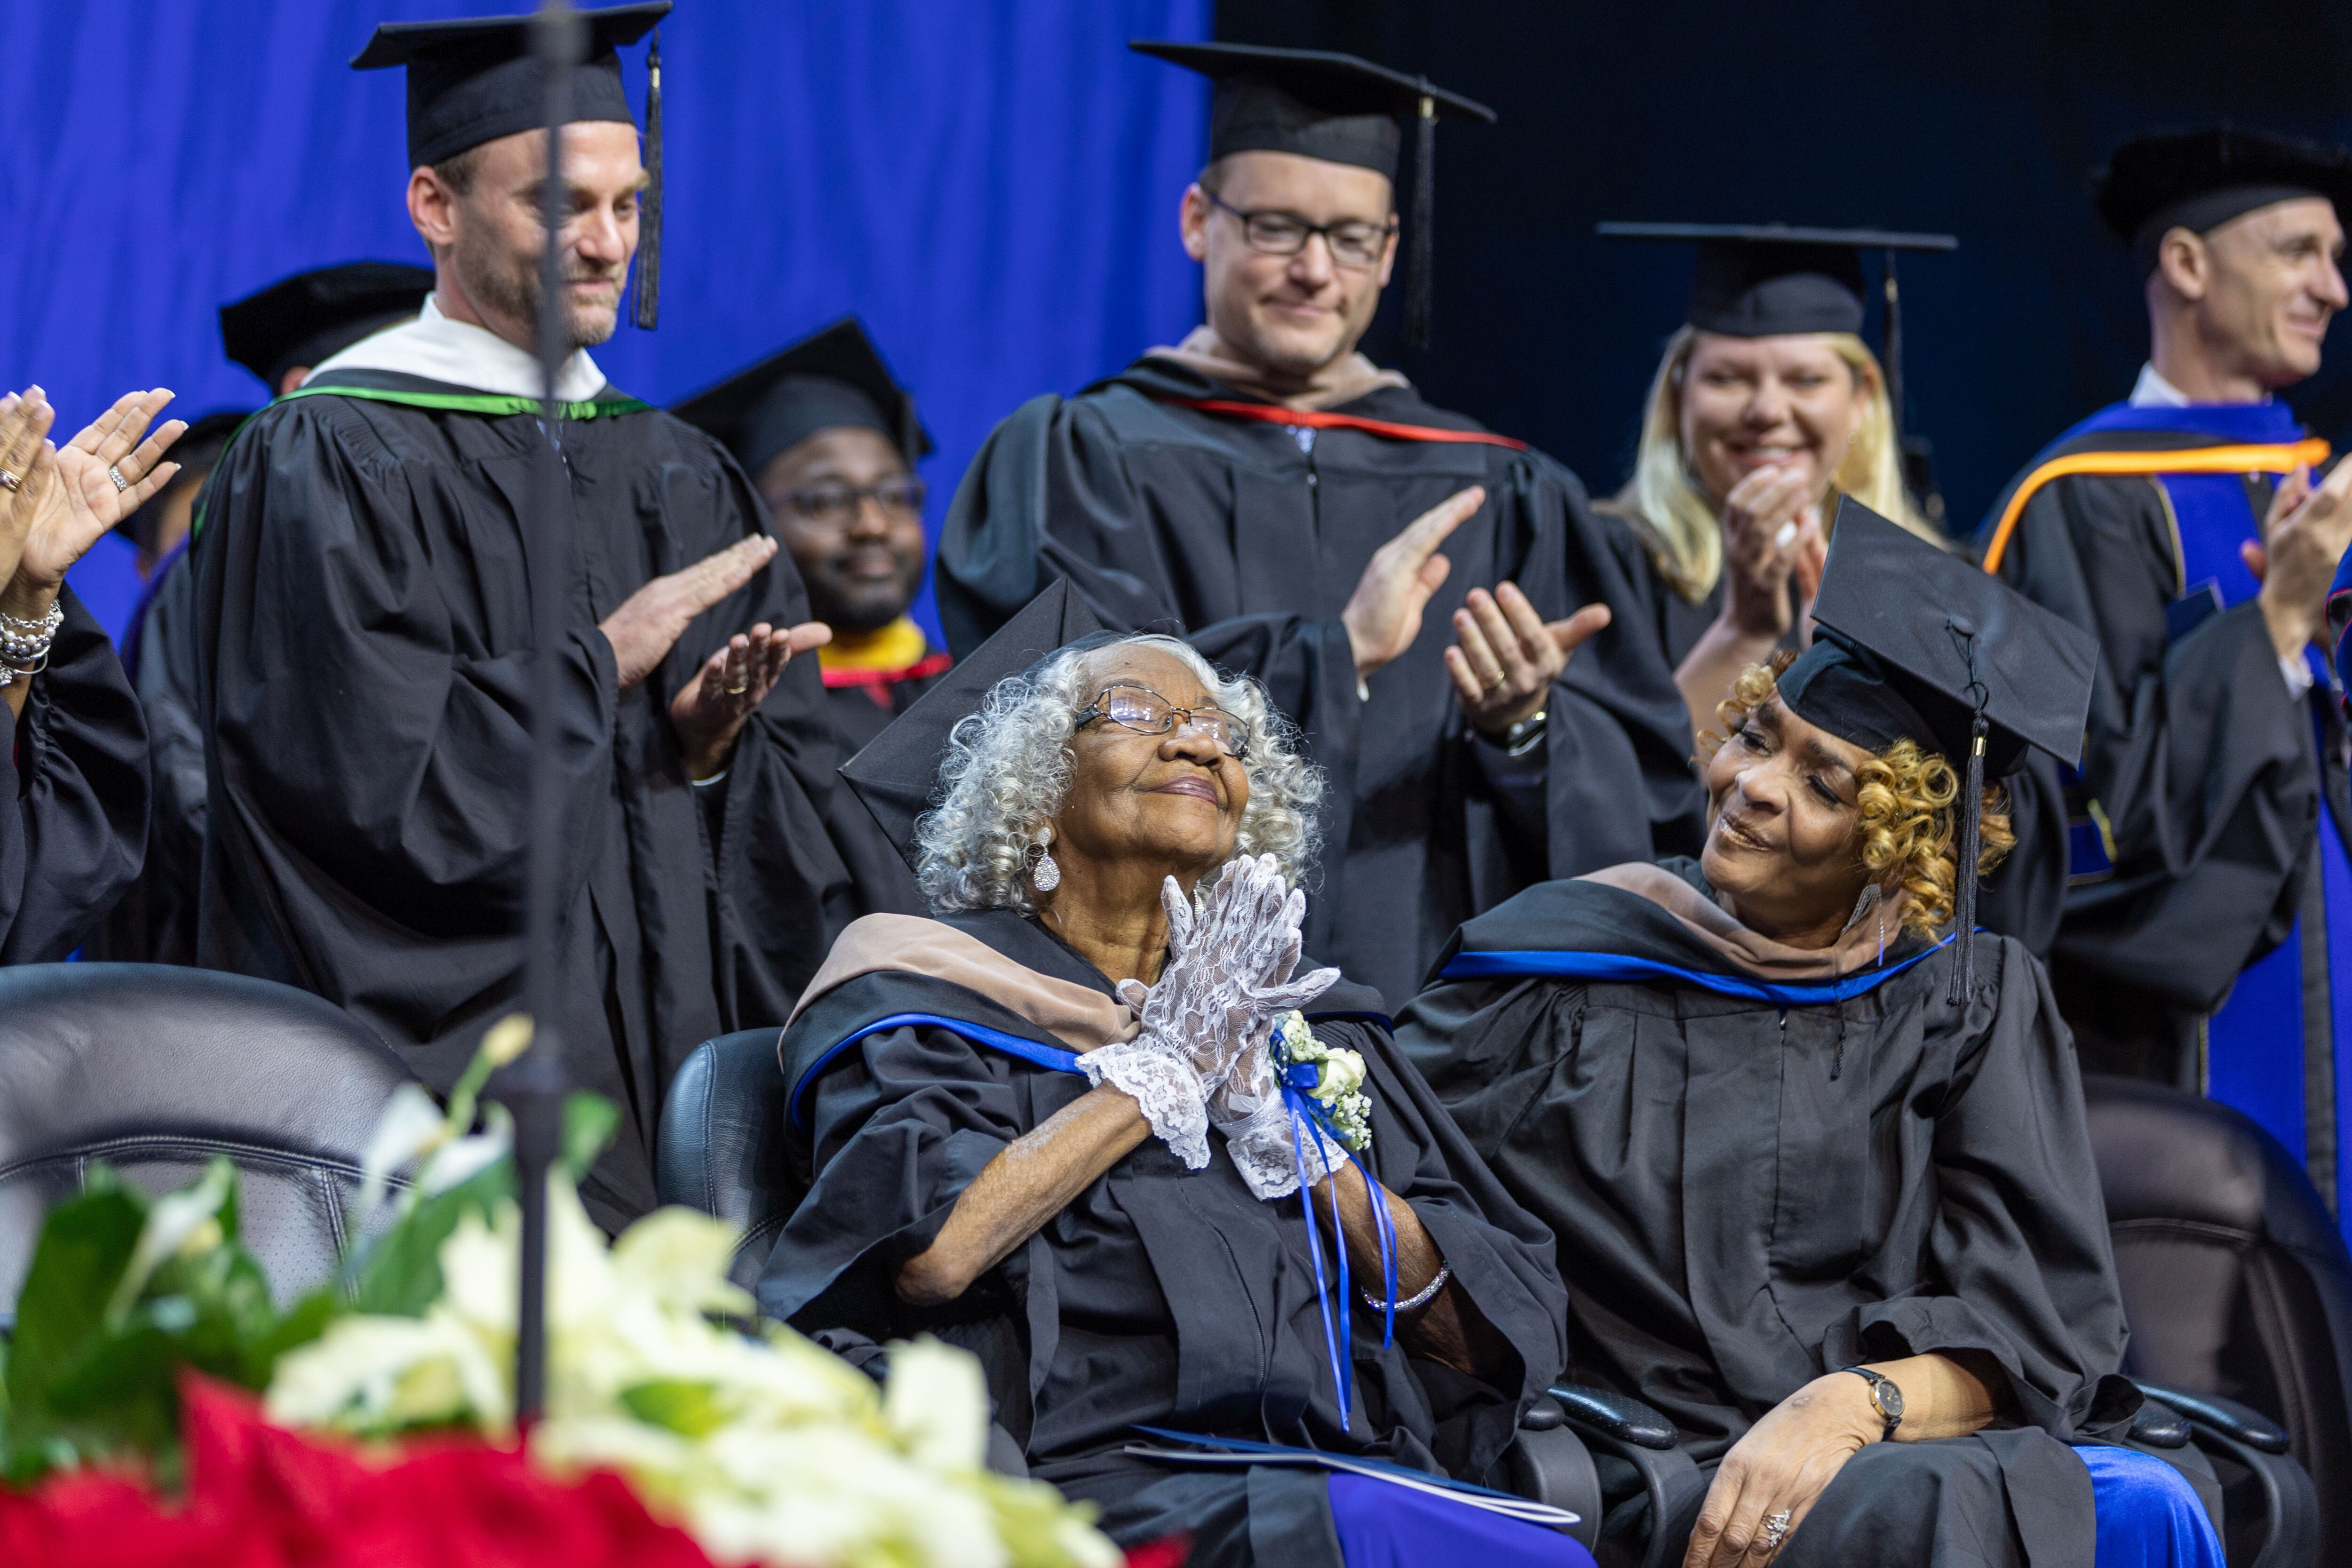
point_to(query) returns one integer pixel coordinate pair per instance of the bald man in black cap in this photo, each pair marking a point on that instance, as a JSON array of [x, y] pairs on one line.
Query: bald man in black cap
[[363, 604], [2205, 920], [1299, 513]]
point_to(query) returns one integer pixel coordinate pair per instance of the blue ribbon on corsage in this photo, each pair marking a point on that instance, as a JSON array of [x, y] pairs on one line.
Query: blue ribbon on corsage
[[1298, 1081]]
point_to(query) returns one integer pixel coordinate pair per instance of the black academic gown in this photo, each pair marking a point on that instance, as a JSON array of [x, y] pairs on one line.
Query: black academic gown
[[1748, 1193], [362, 603], [885, 882], [75, 825], [2188, 840], [1249, 538], [155, 919], [1159, 1296]]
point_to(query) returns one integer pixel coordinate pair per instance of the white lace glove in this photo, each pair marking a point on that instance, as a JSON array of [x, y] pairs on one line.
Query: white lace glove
[[1249, 1110], [1224, 983]]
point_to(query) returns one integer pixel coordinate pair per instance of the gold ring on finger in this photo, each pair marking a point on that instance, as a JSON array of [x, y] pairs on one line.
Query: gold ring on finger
[[1496, 684], [738, 690], [9, 481]]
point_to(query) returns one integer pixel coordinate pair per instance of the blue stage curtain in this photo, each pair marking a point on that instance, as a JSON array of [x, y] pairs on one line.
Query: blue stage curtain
[[991, 184]]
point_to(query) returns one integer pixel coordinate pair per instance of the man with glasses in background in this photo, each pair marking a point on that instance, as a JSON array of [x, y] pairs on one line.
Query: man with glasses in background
[[830, 442], [1297, 512]]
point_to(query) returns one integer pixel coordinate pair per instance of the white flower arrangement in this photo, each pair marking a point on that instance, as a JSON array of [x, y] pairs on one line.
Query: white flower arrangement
[[1338, 1077], [765, 1447]]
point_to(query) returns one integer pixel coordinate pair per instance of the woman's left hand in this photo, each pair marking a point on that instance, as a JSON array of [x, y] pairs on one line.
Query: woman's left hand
[[1785, 1462], [1505, 655]]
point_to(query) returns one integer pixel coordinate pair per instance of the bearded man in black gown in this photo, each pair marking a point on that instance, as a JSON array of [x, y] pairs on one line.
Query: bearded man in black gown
[[364, 591], [1266, 490]]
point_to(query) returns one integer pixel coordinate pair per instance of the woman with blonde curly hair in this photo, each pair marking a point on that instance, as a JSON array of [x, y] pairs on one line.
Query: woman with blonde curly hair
[[1815, 1153], [1766, 407], [1063, 1122]]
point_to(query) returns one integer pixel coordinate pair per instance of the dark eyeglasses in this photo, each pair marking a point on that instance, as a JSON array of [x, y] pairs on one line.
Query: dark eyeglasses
[[1354, 243], [1144, 710], [839, 503]]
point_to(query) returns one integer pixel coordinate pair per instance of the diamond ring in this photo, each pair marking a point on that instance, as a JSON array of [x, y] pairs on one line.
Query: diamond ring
[[1776, 1528], [114, 473]]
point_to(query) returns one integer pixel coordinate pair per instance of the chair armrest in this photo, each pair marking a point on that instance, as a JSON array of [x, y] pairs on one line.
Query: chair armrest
[[1618, 1415], [2227, 1416], [1548, 1463], [2160, 1425]]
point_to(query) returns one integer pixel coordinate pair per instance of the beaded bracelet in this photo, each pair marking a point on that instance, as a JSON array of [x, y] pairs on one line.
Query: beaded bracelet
[[23, 641]]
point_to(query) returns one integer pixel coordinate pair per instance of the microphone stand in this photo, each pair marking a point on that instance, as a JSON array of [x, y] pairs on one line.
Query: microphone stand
[[533, 1087]]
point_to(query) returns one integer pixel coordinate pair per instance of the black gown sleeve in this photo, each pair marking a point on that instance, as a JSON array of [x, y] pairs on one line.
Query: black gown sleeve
[[403, 799], [1501, 1254], [75, 829], [2199, 759], [2024, 1273]]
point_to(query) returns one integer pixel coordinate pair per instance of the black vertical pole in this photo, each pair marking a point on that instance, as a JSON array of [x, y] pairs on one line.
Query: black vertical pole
[[533, 1087], [1894, 336]]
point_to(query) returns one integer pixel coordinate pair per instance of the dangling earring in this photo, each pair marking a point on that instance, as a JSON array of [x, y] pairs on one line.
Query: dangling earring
[[1045, 875]]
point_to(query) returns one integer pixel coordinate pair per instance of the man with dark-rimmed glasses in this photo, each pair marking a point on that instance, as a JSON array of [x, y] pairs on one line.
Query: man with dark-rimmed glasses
[[1299, 514]]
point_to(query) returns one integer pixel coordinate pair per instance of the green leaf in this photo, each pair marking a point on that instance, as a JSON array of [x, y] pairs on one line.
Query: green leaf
[[588, 1123], [399, 1273], [688, 1409], [85, 1246]]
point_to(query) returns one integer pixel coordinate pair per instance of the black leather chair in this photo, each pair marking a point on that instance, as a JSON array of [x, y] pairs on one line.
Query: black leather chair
[[2238, 1289], [154, 1070], [721, 1149]]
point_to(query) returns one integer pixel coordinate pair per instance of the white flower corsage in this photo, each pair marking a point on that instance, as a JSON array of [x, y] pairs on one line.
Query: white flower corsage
[[1334, 1077]]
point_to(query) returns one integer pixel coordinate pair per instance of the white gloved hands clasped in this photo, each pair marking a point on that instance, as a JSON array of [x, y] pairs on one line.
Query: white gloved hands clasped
[[1228, 975]]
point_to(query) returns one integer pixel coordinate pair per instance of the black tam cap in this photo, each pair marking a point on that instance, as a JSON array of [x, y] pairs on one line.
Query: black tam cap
[[1334, 107], [829, 379], [312, 316], [1918, 644], [899, 770], [475, 80], [1762, 281], [2199, 180]]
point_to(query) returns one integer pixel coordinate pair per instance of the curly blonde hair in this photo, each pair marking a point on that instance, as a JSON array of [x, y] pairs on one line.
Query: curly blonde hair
[[1907, 825]]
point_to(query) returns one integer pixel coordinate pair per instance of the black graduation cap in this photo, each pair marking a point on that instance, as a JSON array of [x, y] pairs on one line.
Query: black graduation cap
[[476, 80], [312, 316], [1761, 280], [2199, 180], [1335, 107], [830, 378], [1915, 643], [897, 773]]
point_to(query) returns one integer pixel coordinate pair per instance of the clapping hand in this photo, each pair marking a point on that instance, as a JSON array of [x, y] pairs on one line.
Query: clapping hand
[[1505, 655], [65, 497], [2304, 538], [708, 713], [1772, 537]]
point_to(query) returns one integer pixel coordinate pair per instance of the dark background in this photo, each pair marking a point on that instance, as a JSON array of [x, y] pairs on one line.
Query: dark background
[[1982, 120]]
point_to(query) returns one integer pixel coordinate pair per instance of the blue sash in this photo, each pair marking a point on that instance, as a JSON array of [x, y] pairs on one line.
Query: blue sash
[[1620, 967]]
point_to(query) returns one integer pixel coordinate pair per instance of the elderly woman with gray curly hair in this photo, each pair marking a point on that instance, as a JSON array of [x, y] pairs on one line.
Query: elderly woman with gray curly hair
[[1094, 1121]]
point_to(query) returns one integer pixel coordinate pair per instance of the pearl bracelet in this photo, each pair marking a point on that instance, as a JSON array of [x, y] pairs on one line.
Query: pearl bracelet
[[26, 642], [1420, 1298]]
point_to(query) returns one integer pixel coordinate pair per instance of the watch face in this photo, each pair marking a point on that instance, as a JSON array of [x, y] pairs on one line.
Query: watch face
[[1888, 1398]]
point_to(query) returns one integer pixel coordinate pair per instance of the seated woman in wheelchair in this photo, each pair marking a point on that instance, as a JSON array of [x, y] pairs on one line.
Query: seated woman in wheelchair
[[1069, 1123], [1814, 1151]]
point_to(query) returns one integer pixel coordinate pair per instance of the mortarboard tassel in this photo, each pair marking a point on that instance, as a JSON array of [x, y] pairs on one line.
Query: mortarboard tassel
[[649, 221], [1971, 803], [1420, 284]]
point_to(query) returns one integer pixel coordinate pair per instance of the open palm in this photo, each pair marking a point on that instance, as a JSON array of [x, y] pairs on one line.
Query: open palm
[[72, 495]]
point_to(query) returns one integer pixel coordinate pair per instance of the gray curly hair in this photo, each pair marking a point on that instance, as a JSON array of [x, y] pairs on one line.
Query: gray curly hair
[[1008, 768]]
